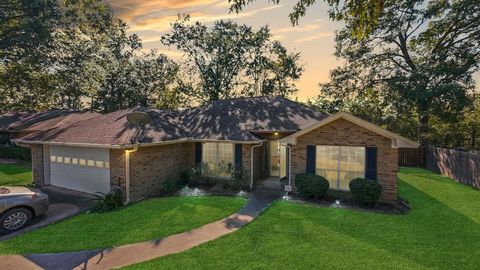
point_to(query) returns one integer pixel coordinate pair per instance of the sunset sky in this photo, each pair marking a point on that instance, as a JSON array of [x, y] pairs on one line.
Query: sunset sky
[[314, 37]]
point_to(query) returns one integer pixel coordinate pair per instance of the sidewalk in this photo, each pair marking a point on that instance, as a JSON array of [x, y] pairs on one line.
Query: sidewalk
[[258, 201]]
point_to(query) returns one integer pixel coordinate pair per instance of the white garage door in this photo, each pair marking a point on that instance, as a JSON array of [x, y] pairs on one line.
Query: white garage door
[[80, 168]]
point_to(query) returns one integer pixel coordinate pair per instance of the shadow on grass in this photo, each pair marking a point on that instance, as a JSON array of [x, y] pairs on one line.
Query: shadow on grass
[[433, 234], [13, 169]]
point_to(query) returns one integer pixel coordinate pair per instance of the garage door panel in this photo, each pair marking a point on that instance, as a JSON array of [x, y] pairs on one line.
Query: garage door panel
[[78, 168]]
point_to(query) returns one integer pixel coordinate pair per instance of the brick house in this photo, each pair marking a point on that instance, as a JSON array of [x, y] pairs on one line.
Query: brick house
[[265, 136]]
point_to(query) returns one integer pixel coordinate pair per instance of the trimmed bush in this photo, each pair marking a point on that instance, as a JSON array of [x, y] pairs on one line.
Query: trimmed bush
[[311, 185], [365, 191], [106, 202]]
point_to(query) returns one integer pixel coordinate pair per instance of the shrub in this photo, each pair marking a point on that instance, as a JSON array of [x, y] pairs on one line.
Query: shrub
[[171, 185], [15, 152], [365, 191], [311, 185], [107, 202]]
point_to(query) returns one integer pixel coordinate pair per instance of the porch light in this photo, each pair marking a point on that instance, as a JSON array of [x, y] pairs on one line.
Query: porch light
[[275, 133]]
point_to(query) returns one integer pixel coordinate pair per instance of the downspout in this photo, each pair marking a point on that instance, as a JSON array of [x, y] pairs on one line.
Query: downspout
[[251, 163], [127, 172], [289, 147]]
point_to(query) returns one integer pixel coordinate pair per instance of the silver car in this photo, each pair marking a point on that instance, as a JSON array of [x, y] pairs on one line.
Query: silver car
[[18, 205]]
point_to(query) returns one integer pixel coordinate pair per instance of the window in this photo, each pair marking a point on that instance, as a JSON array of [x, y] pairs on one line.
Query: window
[[340, 164], [218, 159]]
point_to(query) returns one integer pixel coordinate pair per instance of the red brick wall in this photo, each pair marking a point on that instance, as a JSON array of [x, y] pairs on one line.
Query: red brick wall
[[343, 132], [258, 161], [151, 166], [37, 164]]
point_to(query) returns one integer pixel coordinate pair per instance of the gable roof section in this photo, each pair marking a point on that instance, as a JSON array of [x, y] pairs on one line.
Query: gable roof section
[[397, 140]]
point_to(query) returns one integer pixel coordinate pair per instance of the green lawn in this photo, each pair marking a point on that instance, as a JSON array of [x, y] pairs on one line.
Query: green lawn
[[14, 174], [147, 220], [442, 231]]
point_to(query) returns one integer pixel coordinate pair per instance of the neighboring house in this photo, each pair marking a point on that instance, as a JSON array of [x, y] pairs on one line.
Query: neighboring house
[[14, 125], [8, 119], [265, 136]]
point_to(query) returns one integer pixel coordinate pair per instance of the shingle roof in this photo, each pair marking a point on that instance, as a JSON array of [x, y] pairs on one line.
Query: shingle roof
[[25, 121], [114, 129], [10, 118], [239, 119], [232, 120], [66, 119]]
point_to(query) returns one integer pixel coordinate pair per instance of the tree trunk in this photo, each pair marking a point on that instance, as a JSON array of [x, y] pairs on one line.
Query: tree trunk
[[423, 127], [473, 134]]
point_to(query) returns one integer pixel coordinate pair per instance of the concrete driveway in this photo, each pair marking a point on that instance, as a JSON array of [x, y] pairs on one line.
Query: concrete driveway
[[64, 203]]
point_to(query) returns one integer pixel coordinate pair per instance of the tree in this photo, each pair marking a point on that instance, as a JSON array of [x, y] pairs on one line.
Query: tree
[[420, 56], [29, 46], [361, 15], [232, 60], [75, 54], [132, 78]]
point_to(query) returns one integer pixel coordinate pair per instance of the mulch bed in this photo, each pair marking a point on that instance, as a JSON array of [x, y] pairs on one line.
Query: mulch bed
[[400, 207]]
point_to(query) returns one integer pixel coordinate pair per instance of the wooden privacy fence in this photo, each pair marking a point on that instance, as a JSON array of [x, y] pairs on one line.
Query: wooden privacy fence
[[411, 157], [462, 166]]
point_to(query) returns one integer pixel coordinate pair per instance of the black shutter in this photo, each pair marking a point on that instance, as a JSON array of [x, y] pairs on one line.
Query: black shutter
[[371, 163], [311, 156], [198, 153], [238, 156]]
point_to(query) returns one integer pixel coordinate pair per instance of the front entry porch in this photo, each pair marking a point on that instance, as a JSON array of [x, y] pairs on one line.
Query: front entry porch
[[271, 182]]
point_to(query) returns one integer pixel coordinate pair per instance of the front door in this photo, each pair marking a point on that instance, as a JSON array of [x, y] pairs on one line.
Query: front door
[[275, 158]]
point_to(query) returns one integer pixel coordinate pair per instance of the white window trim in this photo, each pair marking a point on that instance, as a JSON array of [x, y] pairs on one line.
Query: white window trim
[[339, 170]]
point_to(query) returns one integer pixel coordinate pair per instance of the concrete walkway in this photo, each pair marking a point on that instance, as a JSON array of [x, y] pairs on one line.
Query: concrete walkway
[[116, 257], [64, 203]]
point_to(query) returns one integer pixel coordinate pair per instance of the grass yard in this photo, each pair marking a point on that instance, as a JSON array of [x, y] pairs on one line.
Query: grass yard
[[15, 174], [148, 220], [441, 232]]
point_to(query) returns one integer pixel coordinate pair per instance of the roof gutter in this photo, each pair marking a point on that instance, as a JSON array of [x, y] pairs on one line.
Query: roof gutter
[[127, 146]]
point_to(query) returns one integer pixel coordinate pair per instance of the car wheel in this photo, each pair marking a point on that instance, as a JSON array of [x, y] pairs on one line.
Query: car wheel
[[14, 220]]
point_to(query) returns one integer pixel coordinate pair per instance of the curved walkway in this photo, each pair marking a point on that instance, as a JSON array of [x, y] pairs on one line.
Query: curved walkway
[[120, 256]]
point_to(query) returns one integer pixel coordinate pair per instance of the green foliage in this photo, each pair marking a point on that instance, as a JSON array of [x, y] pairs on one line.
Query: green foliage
[[148, 220], [230, 176], [230, 60], [365, 191], [15, 152], [435, 234], [362, 15], [172, 185], [419, 59], [311, 185], [106, 202], [80, 53]]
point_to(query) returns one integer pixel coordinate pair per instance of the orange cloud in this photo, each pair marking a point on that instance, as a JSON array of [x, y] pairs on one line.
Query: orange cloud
[[162, 23], [130, 10]]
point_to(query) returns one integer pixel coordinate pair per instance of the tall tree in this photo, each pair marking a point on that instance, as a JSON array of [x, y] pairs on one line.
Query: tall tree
[[361, 15], [230, 60], [421, 55], [75, 54], [30, 47]]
